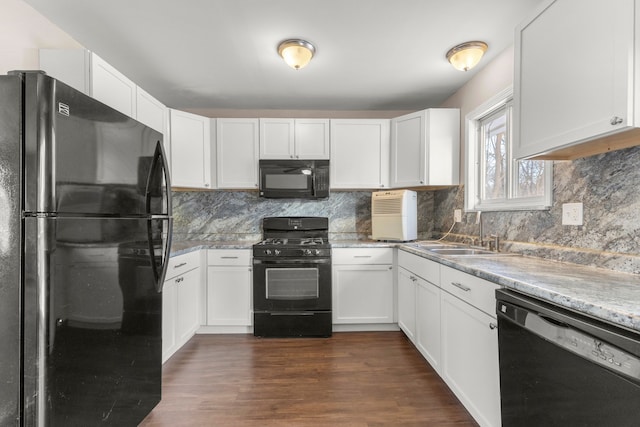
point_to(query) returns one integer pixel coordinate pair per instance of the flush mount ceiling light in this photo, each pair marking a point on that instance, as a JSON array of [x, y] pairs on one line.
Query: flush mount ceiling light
[[465, 56], [296, 53]]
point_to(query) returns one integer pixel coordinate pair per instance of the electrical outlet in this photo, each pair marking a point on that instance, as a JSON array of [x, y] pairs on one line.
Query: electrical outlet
[[457, 215], [572, 214]]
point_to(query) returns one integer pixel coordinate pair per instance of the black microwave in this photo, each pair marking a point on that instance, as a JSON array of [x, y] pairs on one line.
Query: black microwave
[[294, 179]]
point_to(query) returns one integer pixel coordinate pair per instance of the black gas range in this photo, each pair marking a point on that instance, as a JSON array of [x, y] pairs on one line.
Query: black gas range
[[292, 278]]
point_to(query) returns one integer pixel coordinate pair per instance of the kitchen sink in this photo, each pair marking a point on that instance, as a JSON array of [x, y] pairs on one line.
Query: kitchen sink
[[455, 249]]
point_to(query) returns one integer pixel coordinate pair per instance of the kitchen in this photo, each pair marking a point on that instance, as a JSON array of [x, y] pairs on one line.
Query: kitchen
[[604, 183]]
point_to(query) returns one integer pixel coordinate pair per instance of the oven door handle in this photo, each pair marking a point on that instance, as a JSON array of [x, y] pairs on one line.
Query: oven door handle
[[295, 262], [291, 313]]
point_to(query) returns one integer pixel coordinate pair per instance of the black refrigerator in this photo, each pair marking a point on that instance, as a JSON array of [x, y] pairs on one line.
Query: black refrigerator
[[85, 231]]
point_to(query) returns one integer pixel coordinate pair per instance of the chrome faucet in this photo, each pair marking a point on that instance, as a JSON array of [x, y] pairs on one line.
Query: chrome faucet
[[481, 234], [494, 245]]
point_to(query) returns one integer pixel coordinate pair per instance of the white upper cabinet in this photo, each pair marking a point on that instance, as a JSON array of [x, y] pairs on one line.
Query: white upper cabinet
[[90, 74], [150, 111], [294, 139], [87, 72], [575, 88], [425, 148], [359, 153], [237, 153], [110, 86], [191, 151]]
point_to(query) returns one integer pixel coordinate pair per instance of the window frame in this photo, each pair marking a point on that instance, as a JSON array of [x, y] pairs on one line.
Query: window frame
[[474, 157]]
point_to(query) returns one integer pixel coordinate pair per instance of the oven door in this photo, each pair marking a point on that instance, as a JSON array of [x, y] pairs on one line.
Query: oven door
[[291, 285]]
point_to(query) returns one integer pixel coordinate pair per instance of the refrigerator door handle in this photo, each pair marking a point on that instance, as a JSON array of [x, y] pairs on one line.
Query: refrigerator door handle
[[159, 162], [159, 271]]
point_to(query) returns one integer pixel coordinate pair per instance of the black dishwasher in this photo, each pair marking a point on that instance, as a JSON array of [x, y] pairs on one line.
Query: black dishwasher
[[560, 368]]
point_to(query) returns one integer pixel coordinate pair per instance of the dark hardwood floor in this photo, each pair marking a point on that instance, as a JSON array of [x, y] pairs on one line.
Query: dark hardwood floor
[[359, 379]]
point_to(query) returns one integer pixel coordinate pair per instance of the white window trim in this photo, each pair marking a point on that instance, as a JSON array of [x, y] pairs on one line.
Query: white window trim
[[472, 165]]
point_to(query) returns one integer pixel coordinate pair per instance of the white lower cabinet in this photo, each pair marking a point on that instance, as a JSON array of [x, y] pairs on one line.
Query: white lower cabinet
[[407, 303], [419, 304], [449, 316], [229, 288], [428, 322], [180, 302], [470, 344], [363, 286]]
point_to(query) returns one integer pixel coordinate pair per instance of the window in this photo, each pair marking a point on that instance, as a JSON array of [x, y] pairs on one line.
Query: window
[[494, 180]]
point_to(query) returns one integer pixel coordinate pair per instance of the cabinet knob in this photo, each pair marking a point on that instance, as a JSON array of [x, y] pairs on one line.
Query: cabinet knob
[[615, 120], [291, 156], [206, 185], [493, 326], [421, 182]]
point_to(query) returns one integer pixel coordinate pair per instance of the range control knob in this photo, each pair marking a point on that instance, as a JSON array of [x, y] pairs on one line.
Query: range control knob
[[307, 252], [267, 251], [317, 251], [277, 251]]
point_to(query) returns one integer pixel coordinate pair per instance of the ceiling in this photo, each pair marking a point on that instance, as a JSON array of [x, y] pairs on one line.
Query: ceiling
[[221, 54]]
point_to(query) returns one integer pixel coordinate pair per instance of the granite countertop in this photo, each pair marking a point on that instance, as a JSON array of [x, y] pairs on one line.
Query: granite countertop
[[604, 294]]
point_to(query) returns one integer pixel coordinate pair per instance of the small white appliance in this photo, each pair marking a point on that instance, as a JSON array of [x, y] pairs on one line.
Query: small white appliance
[[394, 215]]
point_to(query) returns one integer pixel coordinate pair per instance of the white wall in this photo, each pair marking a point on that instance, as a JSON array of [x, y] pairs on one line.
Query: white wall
[[494, 77], [22, 32]]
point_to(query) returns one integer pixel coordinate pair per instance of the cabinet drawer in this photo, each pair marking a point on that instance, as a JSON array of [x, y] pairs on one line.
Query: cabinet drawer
[[228, 257], [182, 263], [350, 256], [425, 268], [478, 292]]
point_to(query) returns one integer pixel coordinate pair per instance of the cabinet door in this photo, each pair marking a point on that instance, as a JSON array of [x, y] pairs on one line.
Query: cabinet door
[[188, 298], [428, 322], [359, 154], [557, 104], [408, 156], [277, 138], [190, 150], [150, 111], [237, 148], [111, 87], [407, 303], [312, 139], [169, 315], [71, 66], [470, 358], [363, 294], [229, 296]]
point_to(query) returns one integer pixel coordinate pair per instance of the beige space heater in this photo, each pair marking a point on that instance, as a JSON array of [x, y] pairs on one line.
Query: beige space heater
[[394, 215]]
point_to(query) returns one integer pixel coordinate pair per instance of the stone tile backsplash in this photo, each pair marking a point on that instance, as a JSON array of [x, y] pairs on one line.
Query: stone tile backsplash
[[608, 185]]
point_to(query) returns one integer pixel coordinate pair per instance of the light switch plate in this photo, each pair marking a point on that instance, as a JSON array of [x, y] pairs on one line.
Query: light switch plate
[[572, 214], [457, 215]]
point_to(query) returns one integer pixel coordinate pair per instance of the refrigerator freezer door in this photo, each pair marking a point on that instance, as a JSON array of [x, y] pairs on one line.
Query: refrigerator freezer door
[[83, 157], [93, 321], [10, 231]]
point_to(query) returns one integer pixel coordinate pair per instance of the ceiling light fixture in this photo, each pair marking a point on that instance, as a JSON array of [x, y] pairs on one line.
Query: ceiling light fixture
[[296, 53], [465, 56]]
